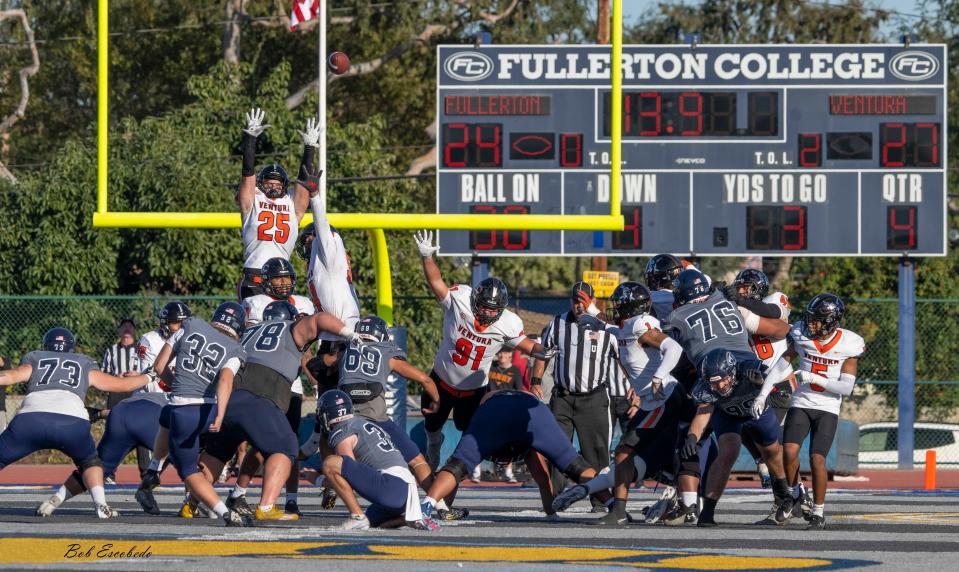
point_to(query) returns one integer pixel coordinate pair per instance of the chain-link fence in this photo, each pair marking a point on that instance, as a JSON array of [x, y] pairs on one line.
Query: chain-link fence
[[873, 405]]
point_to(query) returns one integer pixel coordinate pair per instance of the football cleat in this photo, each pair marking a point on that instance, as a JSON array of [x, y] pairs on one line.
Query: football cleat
[[275, 514], [47, 507], [187, 510], [454, 513], [104, 511], [682, 515], [612, 519], [816, 522], [109, 480], [232, 518], [805, 504], [654, 513], [292, 508], [599, 509], [329, 498], [569, 497], [426, 524], [240, 505], [355, 522], [147, 501], [780, 514]]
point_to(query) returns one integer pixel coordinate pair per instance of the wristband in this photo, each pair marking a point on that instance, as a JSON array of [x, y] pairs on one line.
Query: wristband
[[536, 381]]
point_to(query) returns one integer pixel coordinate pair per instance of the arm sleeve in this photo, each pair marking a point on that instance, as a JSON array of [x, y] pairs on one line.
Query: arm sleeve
[[324, 233], [306, 162], [778, 372], [671, 353], [750, 320], [761, 309], [249, 155], [233, 364], [844, 385]]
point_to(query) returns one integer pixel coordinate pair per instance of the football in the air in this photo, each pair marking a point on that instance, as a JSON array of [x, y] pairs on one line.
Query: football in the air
[[338, 62]]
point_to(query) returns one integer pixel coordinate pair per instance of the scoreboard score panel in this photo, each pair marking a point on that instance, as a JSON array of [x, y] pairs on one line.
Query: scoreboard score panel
[[801, 150]]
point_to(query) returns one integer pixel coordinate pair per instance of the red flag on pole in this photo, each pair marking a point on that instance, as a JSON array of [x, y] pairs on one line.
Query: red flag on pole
[[303, 11]]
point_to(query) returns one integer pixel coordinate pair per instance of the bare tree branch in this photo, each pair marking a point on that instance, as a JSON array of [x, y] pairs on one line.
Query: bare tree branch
[[235, 14], [426, 160], [25, 74]]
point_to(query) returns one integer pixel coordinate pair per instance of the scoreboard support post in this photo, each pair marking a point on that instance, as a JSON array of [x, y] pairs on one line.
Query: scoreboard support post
[[907, 362]]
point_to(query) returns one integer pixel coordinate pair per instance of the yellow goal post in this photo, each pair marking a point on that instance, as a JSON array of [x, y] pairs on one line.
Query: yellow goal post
[[374, 223]]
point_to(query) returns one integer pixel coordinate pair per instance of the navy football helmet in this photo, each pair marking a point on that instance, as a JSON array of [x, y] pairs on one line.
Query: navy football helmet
[[629, 299], [303, 242], [823, 315], [373, 329], [334, 406], [277, 268], [718, 367], [273, 172], [172, 312], [689, 285], [661, 270], [229, 317], [279, 310], [754, 281], [491, 294], [59, 340]]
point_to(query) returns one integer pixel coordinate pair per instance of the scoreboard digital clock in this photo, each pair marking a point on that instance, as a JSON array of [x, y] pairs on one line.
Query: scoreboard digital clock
[[801, 150]]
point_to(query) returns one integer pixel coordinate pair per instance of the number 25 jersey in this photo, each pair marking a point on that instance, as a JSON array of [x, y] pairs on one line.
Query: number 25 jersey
[[269, 229], [823, 358], [467, 350]]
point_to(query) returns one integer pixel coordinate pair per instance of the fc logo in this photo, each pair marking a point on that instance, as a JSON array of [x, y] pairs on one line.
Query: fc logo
[[914, 66], [469, 66]]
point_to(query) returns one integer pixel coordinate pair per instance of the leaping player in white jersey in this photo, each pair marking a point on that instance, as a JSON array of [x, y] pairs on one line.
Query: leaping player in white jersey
[[750, 292], [269, 210], [476, 324], [828, 363]]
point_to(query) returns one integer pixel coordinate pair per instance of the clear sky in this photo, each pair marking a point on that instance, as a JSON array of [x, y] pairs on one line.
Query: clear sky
[[633, 8]]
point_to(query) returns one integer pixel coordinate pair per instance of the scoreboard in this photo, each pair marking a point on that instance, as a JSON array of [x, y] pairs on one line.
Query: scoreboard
[[732, 150]]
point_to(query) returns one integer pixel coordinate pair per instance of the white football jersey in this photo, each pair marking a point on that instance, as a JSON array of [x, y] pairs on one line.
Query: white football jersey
[[330, 275], [662, 303], [825, 359], [269, 229], [254, 306], [639, 361], [467, 350], [769, 350], [148, 348]]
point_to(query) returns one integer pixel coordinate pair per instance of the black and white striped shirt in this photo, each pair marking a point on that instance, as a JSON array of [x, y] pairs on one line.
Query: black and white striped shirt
[[118, 360], [618, 382], [584, 359]]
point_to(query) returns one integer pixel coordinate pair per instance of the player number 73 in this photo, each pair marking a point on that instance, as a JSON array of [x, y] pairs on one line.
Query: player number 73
[[278, 223]]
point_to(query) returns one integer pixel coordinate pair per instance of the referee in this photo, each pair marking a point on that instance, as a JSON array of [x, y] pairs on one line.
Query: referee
[[582, 365]]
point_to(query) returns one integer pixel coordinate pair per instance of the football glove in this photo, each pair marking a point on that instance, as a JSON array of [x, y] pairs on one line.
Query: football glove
[[311, 137], [758, 406], [424, 242], [689, 449], [310, 179], [254, 122], [754, 376]]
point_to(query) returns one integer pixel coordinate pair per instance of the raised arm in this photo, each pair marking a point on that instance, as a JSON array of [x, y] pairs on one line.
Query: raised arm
[[18, 374], [409, 371], [254, 126], [308, 178], [424, 242]]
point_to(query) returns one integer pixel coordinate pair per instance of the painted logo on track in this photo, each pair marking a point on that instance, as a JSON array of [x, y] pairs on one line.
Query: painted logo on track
[[34, 550]]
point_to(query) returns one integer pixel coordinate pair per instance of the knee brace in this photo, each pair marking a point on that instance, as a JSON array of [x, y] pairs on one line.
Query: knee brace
[[89, 463], [690, 467], [456, 468], [576, 468]]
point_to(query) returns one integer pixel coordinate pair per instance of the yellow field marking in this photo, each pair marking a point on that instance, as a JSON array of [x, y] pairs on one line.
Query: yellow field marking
[[24, 550], [909, 517]]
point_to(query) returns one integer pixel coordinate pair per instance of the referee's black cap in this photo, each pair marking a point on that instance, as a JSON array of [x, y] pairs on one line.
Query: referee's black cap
[[581, 287]]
